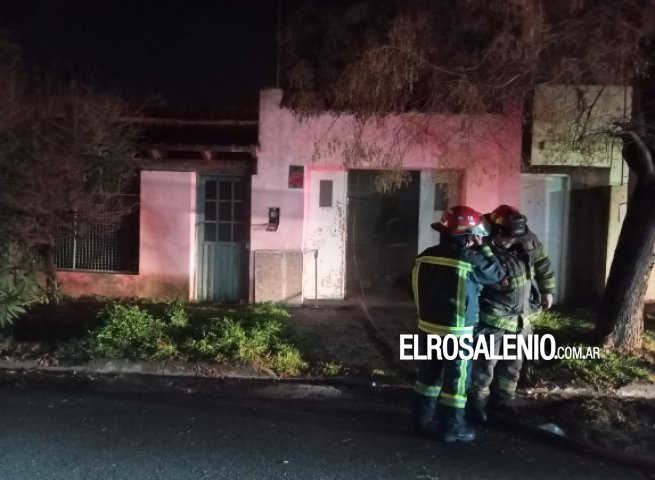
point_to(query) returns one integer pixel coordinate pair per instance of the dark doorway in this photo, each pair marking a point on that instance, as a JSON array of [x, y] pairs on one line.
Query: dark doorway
[[382, 236]]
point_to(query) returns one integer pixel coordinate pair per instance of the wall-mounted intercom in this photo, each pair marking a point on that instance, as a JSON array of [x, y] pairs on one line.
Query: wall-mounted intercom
[[273, 219]]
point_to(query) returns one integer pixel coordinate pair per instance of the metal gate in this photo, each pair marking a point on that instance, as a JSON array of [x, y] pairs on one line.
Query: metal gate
[[223, 234]]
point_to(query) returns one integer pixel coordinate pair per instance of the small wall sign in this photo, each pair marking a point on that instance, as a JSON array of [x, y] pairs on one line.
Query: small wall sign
[[296, 176]]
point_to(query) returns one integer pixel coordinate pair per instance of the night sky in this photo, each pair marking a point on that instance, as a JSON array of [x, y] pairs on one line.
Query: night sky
[[190, 53]]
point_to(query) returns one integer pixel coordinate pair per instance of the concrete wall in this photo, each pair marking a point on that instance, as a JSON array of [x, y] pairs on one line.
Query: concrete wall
[[596, 217], [166, 244], [618, 201], [485, 148], [587, 246], [587, 229], [599, 195], [650, 293], [278, 276], [557, 108]]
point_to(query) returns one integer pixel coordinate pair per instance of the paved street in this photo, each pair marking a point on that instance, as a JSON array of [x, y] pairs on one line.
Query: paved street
[[76, 433]]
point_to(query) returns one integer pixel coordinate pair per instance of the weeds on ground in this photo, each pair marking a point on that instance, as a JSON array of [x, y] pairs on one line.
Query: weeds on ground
[[329, 369], [613, 369], [565, 326], [257, 335]]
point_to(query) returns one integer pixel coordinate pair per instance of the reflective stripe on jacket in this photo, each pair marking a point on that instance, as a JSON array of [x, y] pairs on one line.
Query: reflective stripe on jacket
[[528, 276], [446, 280]]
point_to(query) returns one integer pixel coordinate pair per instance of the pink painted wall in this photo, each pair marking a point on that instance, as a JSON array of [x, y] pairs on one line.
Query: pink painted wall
[[486, 147], [166, 244]]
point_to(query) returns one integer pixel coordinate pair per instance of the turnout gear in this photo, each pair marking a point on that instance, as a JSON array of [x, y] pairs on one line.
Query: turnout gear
[[494, 381], [440, 393], [446, 280], [507, 306], [475, 411], [528, 276], [460, 434], [461, 220]]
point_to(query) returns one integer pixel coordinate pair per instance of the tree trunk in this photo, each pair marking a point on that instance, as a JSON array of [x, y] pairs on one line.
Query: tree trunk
[[50, 270], [621, 321]]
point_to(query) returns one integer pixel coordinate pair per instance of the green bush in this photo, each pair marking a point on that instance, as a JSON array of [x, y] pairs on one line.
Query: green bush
[[331, 369], [128, 332], [18, 282], [259, 335], [288, 360], [176, 316]]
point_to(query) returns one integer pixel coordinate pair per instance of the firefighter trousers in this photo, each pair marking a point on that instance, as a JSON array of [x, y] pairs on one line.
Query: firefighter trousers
[[440, 392], [495, 380]]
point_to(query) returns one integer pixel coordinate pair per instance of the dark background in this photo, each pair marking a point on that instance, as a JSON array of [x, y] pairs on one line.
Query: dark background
[[211, 53]]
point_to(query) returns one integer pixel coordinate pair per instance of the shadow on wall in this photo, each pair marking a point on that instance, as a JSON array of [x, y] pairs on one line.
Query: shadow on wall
[[587, 244]]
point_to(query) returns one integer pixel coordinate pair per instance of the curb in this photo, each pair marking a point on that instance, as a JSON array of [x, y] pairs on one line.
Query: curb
[[149, 376], [196, 370], [138, 367], [317, 388], [632, 390]]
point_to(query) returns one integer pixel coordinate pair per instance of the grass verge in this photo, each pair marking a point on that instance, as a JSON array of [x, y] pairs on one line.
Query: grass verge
[[257, 335], [613, 369]]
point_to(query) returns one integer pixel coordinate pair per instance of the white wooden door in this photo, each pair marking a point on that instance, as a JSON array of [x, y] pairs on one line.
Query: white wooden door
[[325, 233], [545, 201]]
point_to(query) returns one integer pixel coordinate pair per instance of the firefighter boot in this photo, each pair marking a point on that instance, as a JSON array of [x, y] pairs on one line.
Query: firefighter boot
[[510, 406], [475, 411], [506, 407], [424, 415], [460, 433]]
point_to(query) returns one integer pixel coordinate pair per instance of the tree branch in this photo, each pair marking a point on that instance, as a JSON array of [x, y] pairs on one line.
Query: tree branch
[[638, 157]]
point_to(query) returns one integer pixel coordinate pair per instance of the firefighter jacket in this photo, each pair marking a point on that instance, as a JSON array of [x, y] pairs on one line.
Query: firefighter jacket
[[509, 303], [446, 283]]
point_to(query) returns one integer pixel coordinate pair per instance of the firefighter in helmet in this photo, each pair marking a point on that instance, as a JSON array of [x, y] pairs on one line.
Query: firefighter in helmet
[[506, 307], [445, 281]]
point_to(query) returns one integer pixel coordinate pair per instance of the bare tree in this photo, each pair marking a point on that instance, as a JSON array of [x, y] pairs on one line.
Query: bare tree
[[621, 320], [63, 153], [368, 59]]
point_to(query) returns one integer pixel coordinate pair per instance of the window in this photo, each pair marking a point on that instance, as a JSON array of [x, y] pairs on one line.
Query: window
[[325, 193], [110, 244], [440, 196], [225, 210]]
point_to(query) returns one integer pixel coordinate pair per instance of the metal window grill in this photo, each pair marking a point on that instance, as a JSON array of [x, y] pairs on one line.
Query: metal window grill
[[110, 244], [224, 211]]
